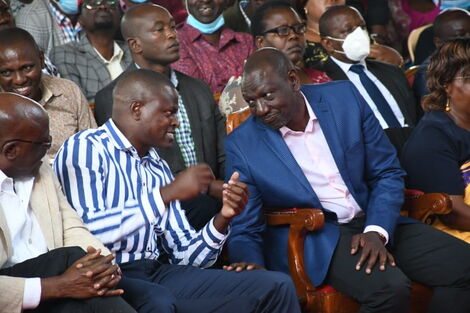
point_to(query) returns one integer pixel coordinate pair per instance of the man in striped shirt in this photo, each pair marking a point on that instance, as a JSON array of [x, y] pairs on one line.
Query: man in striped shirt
[[128, 198]]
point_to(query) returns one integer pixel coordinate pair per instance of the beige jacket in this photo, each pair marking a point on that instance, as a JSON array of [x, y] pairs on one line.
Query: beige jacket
[[60, 225]]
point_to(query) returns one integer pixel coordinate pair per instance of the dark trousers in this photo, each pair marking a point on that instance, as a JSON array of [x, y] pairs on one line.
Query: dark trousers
[[153, 287], [422, 253], [200, 210], [54, 263]]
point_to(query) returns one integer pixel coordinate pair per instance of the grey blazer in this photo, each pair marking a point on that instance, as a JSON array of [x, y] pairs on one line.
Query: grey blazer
[[79, 62], [207, 124]]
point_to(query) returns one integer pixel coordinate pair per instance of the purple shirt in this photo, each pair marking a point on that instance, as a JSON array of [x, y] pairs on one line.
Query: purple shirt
[[212, 64]]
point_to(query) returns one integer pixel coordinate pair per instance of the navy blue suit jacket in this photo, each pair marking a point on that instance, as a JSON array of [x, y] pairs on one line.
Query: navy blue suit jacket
[[363, 154]]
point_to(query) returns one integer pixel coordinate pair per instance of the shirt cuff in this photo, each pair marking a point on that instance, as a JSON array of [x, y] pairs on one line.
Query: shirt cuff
[[32, 293], [212, 236], [378, 229]]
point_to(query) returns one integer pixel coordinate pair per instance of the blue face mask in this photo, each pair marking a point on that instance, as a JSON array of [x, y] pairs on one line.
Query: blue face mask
[[206, 28], [463, 4], [68, 6]]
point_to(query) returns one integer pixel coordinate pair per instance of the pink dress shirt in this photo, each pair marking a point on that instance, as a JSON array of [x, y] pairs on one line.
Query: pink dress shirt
[[311, 151]]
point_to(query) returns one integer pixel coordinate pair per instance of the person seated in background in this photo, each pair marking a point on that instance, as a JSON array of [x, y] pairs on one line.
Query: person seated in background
[[21, 62], [51, 23], [437, 155], [43, 264], [124, 191], [450, 24], [199, 138], [408, 15], [209, 50], [96, 58], [383, 86], [320, 146], [239, 16], [315, 54], [7, 21], [275, 24]]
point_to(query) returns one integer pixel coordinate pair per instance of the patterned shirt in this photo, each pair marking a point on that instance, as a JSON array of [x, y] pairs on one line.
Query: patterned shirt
[[67, 108], [184, 136], [65, 24], [213, 65], [117, 193]]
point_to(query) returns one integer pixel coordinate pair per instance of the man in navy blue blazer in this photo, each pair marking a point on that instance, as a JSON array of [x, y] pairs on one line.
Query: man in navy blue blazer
[[321, 146]]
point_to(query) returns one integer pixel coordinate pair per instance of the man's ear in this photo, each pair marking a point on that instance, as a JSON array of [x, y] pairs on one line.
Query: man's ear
[[294, 80], [326, 43], [259, 41], [10, 150], [41, 59], [134, 45], [136, 109]]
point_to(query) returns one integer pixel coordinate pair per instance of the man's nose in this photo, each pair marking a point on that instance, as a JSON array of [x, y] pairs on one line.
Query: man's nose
[[261, 107], [19, 78]]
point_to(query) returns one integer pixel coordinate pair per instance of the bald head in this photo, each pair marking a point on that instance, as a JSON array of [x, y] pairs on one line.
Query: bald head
[[452, 23], [138, 85], [17, 113], [268, 59], [14, 36], [131, 23]]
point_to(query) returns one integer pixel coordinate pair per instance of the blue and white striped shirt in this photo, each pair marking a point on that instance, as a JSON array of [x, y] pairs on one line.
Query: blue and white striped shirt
[[117, 194]]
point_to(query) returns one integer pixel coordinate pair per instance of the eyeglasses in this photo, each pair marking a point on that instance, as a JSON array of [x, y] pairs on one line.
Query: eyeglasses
[[283, 31], [93, 5], [462, 77], [44, 144]]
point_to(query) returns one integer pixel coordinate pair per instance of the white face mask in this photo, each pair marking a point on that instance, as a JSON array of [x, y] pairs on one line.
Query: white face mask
[[356, 45]]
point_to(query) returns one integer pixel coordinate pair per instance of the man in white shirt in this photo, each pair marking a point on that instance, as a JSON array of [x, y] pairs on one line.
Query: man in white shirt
[[43, 263], [383, 86]]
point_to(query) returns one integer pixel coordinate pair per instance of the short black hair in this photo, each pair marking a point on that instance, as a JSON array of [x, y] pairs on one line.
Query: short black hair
[[323, 23], [257, 22], [14, 35]]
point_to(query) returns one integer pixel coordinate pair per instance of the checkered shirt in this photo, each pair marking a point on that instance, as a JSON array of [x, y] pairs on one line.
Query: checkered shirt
[[70, 32], [184, 137]]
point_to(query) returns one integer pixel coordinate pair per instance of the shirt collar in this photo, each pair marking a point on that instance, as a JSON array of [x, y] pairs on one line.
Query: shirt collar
[[122, 143], [173, 77], [117, 54], [6, 183], [285, 131], [347, 66], [47, 91], [226, 35]]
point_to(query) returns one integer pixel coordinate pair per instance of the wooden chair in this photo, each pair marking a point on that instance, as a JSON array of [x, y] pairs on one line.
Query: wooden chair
[[325, 299], [410, 74], [413, 40]]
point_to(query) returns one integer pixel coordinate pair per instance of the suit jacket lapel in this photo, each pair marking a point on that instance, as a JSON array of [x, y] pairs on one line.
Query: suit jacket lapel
[[274, 141], [94, 63], [326, 118], [5, 234], [193, 115], [388, 82], [334, 71], [40, 208]]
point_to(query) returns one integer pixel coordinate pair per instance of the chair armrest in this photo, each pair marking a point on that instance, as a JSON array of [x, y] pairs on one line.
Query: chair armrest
[[424, 206], [300, 221]]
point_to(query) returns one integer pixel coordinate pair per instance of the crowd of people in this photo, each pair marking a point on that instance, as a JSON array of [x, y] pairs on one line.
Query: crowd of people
[[120, 190]]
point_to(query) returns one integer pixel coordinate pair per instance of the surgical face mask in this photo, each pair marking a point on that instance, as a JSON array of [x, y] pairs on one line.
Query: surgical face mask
[[356, 45], [68, 6], [206, 28]]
